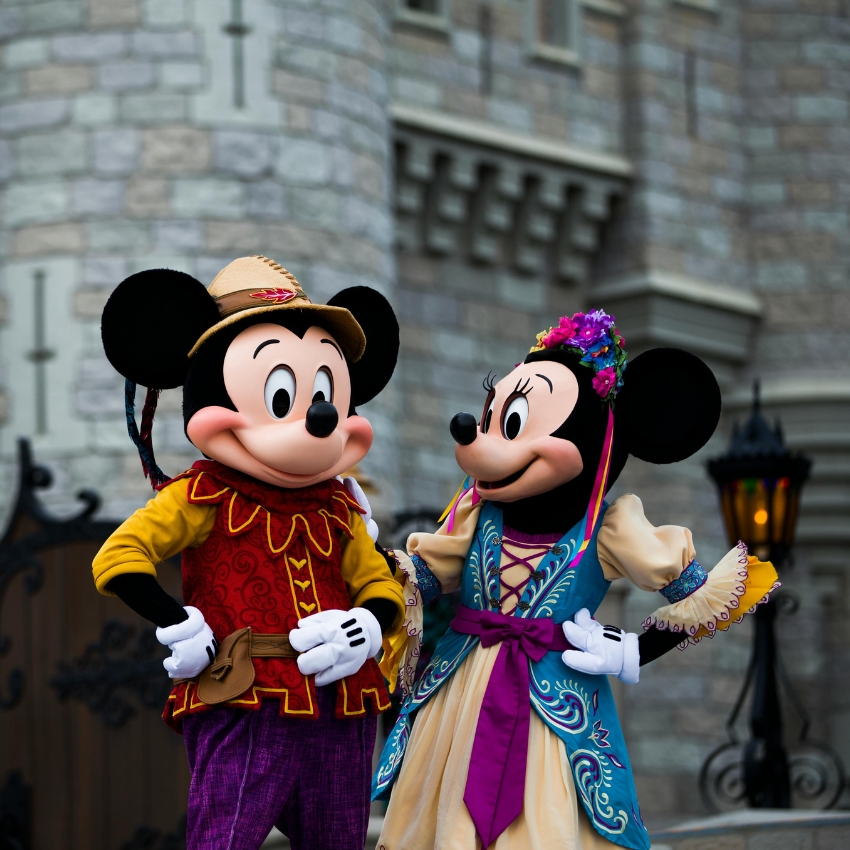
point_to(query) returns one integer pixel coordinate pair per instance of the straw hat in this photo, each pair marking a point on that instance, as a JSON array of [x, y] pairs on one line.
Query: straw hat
[[253, 285]]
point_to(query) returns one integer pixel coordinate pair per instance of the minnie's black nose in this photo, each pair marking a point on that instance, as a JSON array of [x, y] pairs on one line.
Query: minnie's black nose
[[322, 419], [464, 428]]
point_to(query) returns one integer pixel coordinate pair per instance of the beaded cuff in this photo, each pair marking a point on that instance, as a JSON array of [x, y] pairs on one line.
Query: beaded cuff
[[429, 585], [693, 577]]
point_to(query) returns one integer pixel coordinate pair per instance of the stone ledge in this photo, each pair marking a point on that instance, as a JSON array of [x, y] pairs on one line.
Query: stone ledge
[[493, 136], [655, 308], [759, 829]]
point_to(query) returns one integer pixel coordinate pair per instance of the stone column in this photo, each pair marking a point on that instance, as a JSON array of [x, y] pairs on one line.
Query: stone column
[[144, 133]]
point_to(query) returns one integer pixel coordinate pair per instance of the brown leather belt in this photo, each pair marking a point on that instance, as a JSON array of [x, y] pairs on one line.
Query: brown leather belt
[[232, 673]]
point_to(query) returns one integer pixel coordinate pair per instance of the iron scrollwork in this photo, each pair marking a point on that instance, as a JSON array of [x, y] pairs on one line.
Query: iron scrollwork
[[112, 669], [815, 772], [19, 557]]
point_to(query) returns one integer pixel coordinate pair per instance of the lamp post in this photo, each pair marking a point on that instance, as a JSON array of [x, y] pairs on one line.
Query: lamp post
[[760, 482]]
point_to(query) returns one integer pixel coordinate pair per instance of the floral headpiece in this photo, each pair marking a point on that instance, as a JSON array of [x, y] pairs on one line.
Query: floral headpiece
[[595, 339]]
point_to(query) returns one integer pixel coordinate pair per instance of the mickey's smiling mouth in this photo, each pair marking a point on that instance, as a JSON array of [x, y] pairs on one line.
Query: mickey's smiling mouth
[[496, 485]]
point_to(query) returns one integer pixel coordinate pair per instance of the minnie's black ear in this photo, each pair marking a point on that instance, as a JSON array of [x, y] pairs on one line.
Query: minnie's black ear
[[150, 323], [371, 373], [669, 405]]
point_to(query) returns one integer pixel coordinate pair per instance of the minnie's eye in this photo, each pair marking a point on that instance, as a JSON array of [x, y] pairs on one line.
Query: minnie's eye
[[280, 392], [488, 418], [515, 417], [323, 388]]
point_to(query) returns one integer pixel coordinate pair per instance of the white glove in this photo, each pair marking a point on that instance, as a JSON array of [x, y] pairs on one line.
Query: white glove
[[336, 643], [605, 650], [357, 491], [192, 645]]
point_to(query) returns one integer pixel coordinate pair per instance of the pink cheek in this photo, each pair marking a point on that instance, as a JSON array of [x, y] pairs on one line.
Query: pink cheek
[[210, 421], [359, 431], [561, 454]]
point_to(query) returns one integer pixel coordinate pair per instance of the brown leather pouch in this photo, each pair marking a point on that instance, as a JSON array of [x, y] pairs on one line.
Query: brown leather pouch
[[232, 673]]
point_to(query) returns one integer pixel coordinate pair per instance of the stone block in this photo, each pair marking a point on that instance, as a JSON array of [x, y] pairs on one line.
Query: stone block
[[65, 152], [46, 239], [827, 54], [802, 79], [302, 59], [176, 150], [208, 198], [104, 271], [234, 237], [242, 152], [7, 161], [26, 53], [304, 162], [147, 197], [315, 208], [58, 79], [293, 87], [94, 110], [116, 151], [821, 109], [89, 303], [298, 118], [118, 236], [113, 13], [125, 76], [417, 91], [177, 237], [52, 16], [89, 47], [767, 193], [803, 192], [164, 13], [181, 75], [344, 34], [760, 138], [18, 117], [164, 45], [98, 197], [35, 201], [782, 276], [266, 200], [154, 108]]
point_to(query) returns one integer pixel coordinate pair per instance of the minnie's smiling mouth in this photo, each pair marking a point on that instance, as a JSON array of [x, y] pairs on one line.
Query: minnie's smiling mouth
[[496, 485]]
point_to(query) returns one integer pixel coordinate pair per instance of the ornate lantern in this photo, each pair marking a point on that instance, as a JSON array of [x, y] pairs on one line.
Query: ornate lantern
[[760, 483]]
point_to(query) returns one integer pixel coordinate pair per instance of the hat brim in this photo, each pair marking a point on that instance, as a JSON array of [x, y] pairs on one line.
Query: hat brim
[[338, 320]]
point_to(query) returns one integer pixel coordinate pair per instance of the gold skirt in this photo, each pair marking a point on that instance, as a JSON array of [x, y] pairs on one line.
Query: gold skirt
[[427, 811]]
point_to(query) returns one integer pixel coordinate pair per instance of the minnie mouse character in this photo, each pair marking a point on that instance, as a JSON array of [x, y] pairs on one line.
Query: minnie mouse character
[[287, 595], [534, 548]]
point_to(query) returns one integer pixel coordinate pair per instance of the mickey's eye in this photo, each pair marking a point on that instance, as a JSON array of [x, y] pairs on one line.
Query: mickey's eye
[[515, 417], [323, 386], [487, 419], [280, 392]]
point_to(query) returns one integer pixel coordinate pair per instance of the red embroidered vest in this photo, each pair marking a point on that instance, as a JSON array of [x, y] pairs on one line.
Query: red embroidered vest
[[272, 557]]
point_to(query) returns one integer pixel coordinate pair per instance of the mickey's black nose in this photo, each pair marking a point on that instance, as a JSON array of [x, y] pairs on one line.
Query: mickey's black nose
[[464, 428], [322, 419]]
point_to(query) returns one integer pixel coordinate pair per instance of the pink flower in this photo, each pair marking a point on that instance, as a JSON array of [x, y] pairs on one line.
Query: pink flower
[[558, 336], [605, 381]]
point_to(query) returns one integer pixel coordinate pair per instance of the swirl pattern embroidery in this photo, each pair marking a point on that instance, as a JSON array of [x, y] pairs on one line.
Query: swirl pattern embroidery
[[564, 704], [592, 776]]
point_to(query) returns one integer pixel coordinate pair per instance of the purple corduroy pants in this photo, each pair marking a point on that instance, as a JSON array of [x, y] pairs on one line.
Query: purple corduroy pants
[[252, 770]]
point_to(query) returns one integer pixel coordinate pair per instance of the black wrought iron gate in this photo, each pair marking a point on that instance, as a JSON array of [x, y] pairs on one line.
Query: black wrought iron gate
[[85, 761]]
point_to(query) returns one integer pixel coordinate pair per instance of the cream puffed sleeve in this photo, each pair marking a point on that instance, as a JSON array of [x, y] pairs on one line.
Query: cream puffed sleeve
[[433, 564], [698, 601]]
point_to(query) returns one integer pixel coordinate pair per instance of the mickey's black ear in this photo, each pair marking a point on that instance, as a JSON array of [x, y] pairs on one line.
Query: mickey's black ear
[[371, 373], [150, 323], [669, 405]]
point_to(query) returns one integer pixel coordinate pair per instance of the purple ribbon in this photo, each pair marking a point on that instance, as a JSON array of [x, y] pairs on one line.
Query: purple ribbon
[[495, 783]]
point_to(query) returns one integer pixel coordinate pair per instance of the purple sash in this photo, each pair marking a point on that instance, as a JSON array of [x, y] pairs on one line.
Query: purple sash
[[495, 783]]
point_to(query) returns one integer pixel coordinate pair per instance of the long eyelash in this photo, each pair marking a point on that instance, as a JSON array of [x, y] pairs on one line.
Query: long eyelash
[[488, 381], [525, 389]]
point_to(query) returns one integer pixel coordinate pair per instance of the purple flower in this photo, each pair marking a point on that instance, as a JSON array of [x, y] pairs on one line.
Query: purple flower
[[605, 381]]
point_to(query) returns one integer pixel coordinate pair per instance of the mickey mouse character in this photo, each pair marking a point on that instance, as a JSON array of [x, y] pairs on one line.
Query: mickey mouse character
[[287, 595], [534, 548]]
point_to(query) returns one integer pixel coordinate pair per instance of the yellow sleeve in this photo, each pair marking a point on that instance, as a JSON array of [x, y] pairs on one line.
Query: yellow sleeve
[[365, 571], [445, 551], [629, 546], [166, 525]]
